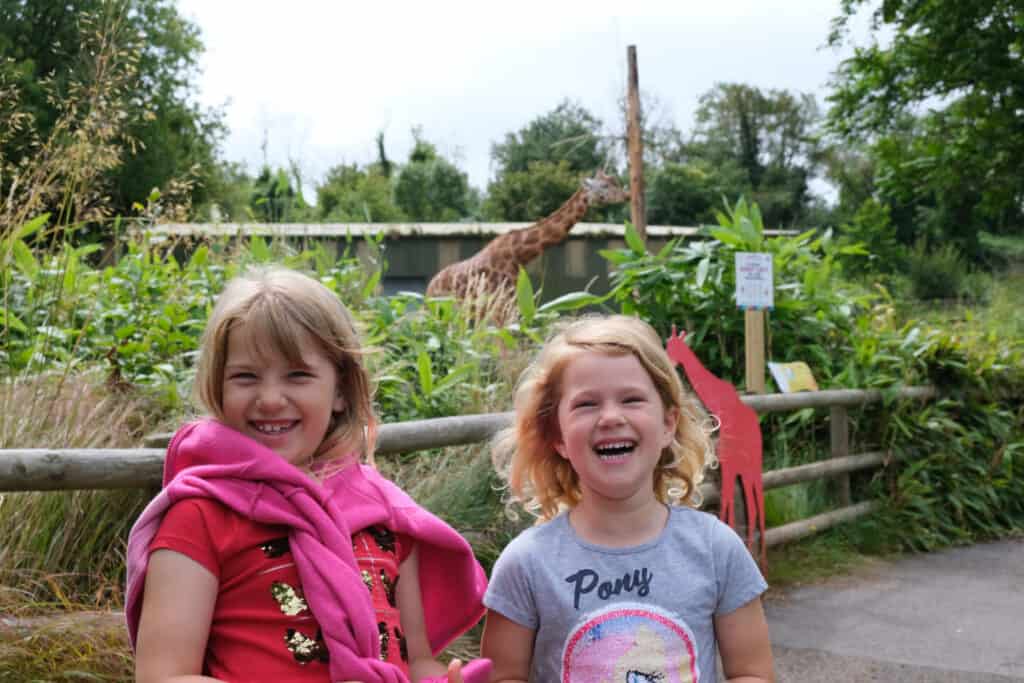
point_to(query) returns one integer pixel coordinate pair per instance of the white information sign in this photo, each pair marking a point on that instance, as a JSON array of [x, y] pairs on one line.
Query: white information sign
[[754, 288]]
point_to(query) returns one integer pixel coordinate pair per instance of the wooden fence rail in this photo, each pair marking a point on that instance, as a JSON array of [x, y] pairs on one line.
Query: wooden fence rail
[[46, 469]]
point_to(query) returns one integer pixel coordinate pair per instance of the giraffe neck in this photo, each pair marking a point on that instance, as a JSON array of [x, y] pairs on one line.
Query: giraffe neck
[[519, 247], [555, 228]]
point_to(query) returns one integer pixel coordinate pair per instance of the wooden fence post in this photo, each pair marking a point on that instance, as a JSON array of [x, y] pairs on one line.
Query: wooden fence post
[[753, 326], [839, 437]]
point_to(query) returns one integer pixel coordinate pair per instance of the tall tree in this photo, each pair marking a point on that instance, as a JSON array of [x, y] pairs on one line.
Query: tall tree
[[277, 196], [170, 137], [567, 133], [528, 195], [955, 69], [540, 165], [431, 188], [771, 135], [352, 194], [689, 192]]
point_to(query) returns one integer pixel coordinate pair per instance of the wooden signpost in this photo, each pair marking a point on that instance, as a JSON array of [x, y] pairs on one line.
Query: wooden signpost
[[755, 294]]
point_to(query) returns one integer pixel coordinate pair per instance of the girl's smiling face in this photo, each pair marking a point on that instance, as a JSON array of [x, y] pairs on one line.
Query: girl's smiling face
[[613, 426], [284, 405]]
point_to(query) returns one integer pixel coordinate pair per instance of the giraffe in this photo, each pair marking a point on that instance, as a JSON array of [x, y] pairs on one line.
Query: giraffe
[[739, 439], [498, 262]]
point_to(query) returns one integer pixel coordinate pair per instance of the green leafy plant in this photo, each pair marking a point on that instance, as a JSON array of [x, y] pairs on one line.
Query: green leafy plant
[[936, 273], [956, 461], [691, 283]]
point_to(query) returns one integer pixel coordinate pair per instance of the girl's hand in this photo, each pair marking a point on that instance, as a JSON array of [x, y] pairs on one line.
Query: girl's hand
[[455, 671], [478, 670]]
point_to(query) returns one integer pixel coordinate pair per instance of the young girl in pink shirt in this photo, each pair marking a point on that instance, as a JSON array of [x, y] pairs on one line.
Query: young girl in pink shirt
[[272, 553]]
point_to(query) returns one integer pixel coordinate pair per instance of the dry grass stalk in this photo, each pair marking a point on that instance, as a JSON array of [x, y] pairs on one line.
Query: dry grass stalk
[[72, 646], [69, 411], [67, 171], [484, 305], [66, 548]]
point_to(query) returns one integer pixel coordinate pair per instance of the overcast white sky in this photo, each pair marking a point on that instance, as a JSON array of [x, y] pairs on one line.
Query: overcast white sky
[[320, 79]]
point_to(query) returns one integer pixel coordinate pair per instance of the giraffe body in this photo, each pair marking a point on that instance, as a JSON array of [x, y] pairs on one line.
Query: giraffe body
[[498, 263], [739, 440]]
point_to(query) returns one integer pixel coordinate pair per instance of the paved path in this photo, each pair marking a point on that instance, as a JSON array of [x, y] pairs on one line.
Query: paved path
[[952, 616]]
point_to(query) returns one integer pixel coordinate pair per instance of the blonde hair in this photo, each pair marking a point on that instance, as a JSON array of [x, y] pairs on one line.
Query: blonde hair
[[544, 482], [284, 309]]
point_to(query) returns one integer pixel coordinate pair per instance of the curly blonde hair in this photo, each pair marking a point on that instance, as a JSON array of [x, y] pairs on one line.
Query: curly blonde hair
[[542, 481], [284, 309]]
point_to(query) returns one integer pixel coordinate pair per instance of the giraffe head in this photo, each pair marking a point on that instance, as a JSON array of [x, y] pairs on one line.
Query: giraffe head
[[603, 189], [676, 346]]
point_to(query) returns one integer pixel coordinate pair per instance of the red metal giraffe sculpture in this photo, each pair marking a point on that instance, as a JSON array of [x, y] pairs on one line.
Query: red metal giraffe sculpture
[[739, 439]]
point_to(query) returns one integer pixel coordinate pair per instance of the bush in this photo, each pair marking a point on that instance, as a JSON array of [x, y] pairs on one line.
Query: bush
[[936, 273], [871, 227], [691, 284]]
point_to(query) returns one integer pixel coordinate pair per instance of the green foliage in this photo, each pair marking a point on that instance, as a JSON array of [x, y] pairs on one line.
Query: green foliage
[[351, 194], [275, 199], [433, 360], [1002, 250], [57, 48], [431, 188], [531, 194], [686, 193], [428, 188], [567, 133], [540, 166], [959, 161], [959, 460], [960, 477], [691, 284], [871, 228], [140, 317], [936, 273], [230, 189], [770, 135], [851, 168]]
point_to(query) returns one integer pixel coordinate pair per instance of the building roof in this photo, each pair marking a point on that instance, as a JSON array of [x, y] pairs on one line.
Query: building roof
[[405, 229]]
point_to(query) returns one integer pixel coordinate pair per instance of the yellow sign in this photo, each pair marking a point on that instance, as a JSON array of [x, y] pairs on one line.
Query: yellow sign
[[792, 377]]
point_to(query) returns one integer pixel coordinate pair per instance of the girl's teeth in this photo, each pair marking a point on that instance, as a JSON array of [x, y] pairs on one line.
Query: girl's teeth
[[613, 449], [271, 429]]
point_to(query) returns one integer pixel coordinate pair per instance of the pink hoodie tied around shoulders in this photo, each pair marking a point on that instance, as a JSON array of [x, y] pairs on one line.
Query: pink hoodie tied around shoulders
[[209, 460]]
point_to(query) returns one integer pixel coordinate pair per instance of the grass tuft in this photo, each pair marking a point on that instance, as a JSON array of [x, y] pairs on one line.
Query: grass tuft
[[66, 547]]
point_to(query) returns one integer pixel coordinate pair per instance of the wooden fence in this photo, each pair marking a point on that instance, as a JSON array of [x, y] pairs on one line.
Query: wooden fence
[[42, 469]]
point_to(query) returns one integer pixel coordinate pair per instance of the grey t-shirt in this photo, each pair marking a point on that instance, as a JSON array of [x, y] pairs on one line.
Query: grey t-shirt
[[624, 615]]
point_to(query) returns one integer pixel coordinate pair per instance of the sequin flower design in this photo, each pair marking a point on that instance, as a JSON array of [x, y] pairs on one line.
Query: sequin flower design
[[304, 648], [288, 599]]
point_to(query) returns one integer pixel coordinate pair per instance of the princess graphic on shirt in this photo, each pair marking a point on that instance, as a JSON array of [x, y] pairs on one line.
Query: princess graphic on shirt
[[634, 643], [272, 553]]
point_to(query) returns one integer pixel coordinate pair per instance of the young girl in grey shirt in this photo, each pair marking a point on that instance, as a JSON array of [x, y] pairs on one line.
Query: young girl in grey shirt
[[622, 580]]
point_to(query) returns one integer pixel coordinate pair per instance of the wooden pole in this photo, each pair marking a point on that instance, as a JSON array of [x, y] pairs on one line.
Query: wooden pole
[[812, 525], [754, 334], [839, 439], [636, 151]]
